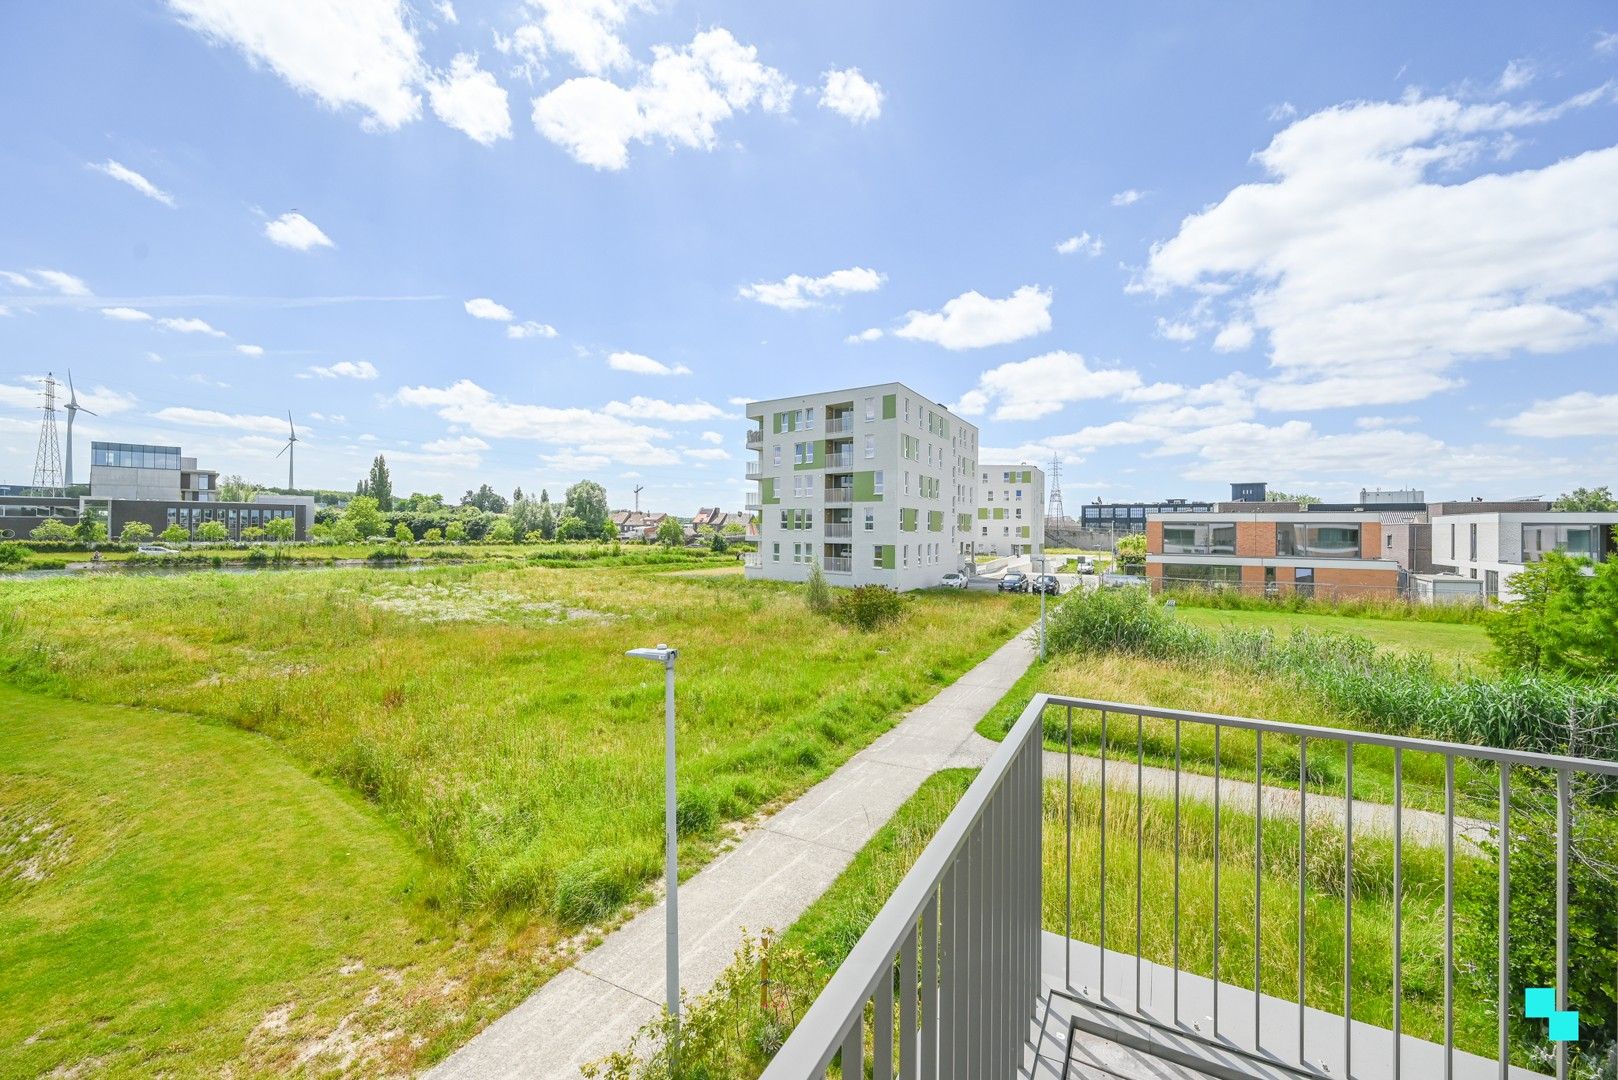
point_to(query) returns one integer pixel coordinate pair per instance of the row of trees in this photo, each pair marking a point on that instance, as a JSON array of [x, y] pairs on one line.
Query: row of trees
[[482, 515], [91, 528]]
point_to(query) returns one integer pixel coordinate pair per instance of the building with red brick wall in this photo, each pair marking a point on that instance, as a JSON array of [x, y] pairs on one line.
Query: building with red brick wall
[[1330, 554]]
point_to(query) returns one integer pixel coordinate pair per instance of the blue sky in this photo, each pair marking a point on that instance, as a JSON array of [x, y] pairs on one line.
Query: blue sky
[[538, 240]]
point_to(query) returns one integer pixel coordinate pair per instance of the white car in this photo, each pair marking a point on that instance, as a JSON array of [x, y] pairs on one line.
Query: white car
[[954, 580], [154, 549], [1086, 565]]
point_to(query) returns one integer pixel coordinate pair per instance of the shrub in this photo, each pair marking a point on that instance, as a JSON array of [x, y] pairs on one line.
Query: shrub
[[403, 535], [174, 534], [500, 532], [817, 594], [867, 607], [12, 553], [252, 534], [135, 532], [599, 884], [212, 531], [455, 532], [52, 530], [433, 536]]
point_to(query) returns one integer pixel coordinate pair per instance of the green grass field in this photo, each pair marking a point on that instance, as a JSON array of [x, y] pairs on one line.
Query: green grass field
[[179, 898], [1462, 643], [481, 719]]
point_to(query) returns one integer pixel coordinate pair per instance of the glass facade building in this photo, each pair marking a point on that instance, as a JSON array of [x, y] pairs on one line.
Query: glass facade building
[[134, 456]]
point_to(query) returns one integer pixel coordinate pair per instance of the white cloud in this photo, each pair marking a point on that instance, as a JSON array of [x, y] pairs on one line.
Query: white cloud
[[850, 94], [872, 334], [530, 329], [469, 100], [1176, 331], [208, 418], [1606, 43], [585, 31], [1128, 197], [482, 307], [126, 314], [1581, 413], [1377, 423], [19, 281], [972, 320], [347, 369], [1029, 389], [250, 350], [1234, 336], [643, 365], [1284, 111], [584, 432], [797, 291], [446, 11], [1090, 245], [459, 444], [645, 408], [125, 175], [712, 437], [63, 282], [190, 326], [707, 453], [679, 98], [1373, 280], [293, 230], [98, 399], [358, 53], [1518, 74]]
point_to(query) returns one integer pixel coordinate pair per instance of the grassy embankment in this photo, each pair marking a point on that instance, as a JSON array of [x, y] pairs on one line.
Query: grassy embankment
[[488, 715], [203, 555]]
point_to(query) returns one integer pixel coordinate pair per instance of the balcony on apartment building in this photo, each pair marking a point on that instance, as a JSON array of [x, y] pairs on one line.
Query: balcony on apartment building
[[836, 494], [840, 422], [755, 470], [840, 529], [840, 459], [1069, 918], [755, 439]]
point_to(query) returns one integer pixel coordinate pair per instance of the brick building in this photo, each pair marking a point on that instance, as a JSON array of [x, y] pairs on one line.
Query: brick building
[[1330, 554]]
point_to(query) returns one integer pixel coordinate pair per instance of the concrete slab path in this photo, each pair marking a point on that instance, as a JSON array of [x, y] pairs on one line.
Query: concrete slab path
[[595, 1007]]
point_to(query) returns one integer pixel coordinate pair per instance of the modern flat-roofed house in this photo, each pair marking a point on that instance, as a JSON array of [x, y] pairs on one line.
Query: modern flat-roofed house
[[875, 484], [1322, 554], [1011, 510], [1130, 517], [1492, 546]]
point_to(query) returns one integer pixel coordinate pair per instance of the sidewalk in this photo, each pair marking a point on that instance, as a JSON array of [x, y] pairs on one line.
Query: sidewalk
[[595, 1007]]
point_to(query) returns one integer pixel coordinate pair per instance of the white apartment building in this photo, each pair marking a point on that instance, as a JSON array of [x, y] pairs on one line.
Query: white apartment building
[[1494, 546], [1010, 516], [877, 485]]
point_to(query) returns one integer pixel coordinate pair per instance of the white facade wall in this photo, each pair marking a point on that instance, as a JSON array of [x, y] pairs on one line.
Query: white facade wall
[[908, 465], [122, 482], [1489, 547], [1017, 494]]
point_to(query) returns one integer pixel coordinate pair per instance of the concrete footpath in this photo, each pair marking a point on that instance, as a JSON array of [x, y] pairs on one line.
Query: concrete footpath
[[595, 1007]]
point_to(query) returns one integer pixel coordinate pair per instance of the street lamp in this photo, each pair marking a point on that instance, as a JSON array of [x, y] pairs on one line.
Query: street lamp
[[665, 656]]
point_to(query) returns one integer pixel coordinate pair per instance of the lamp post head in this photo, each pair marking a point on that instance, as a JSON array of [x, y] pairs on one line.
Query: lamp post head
[[662, 654]]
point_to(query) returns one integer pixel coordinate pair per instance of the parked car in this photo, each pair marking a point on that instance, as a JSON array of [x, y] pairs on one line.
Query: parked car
[[1122, 581], [1047, 584], [1086, 565], [154, 549], [1014, 582], [955, 580]]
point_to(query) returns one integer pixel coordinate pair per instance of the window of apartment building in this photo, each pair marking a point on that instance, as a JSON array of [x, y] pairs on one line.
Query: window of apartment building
[[1452, 551], [1390, 541], [1472, 543], [1019, 493], [870, 520], [876, 556], [876, 482], [907, 481], [907, 410], [1019, 513], [870, 408], [808, 519], [990, 494], [775, 552], [1576, 540], [1491, 584], [1304, 580], [1195, 574], [985, 530], [1318, 541], [1005, 530], [1212, 539], [784, 524], [870, 446], [778, 453], [809, 419]]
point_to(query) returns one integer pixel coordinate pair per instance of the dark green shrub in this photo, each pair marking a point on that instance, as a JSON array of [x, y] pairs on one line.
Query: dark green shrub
[[867, 607], [816, 593], [11, 553]]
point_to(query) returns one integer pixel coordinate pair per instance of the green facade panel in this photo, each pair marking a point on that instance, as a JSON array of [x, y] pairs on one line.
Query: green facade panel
[[983, 513], [776, 419], [963, 522], [999, 513], [888, 561], [890, 406], [935, 521], [865, 487], [907, 518], [770, 497]]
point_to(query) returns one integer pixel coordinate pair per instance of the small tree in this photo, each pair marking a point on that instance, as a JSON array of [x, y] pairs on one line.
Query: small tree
[[402, 533], [717, 542], [90, 529], [455, 533], [500, 532], [281, 529], [253, 534], [212, 532], [669, 533], [535, 537], [379, 485], [1587, 500], [587, 501], [12, 553], [817, 594], [135, 532], [571, 528], [52, 530], [365, 515], [1131, 552], [233, 488], [547, 516], [433, 536], [174, 534]]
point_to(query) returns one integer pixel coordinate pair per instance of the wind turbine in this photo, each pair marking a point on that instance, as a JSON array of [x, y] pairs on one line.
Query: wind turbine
[[73, 408], [289, 451]]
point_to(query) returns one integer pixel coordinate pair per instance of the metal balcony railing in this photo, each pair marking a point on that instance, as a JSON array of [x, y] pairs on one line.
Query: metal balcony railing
[[755, 439], [753, 559], [991, 991], [840, 529], [835, 564], [753, 505], [839, 495], [755, 470], [843, 460], [840, 425]]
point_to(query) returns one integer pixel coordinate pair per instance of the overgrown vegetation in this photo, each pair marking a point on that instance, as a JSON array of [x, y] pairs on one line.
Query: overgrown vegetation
[[1566, 621], [1361, 607]]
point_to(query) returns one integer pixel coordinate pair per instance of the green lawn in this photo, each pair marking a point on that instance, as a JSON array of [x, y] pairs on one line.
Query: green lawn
[[177, 897], [485, 714], [1465, 643]]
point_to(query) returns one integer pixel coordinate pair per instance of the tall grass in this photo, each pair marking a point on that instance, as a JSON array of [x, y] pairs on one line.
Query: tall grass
[[1192, 594], [1392, 691]]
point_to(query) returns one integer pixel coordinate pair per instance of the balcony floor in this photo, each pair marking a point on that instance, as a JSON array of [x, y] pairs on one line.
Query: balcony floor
[[1109, 1045]]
